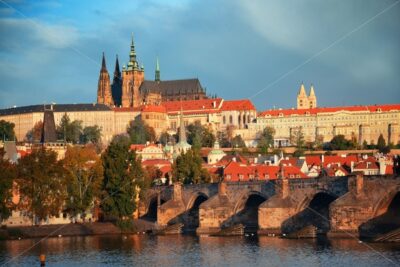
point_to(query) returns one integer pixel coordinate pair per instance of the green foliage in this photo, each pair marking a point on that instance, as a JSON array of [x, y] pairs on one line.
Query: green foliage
[[126, 225], [319, 141], [123, 175], [85, 175], [69, 131], [91, 134], [7, 175], [266, 139], [140, 132], [7, 130], [42, 182], [200, 136], [339, 142], [187, 168], [381, 145], [237, 142], [298, 153], [223, 139]]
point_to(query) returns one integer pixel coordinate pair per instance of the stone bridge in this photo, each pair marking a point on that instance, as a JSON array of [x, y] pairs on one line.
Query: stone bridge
[[354, 205]]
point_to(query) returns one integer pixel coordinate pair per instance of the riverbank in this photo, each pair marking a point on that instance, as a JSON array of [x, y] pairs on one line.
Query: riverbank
[[73, 229]]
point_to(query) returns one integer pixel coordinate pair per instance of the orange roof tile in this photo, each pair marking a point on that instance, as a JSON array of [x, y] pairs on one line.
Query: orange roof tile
[[193, 105], [154, 108], [242, 104], [313, 111]]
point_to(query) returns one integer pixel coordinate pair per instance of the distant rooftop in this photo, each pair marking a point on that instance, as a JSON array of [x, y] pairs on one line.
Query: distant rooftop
[[55, 107]]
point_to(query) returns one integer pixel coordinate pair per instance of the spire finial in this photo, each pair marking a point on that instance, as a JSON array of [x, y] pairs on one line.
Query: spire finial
[[157, 74], [103, 63]]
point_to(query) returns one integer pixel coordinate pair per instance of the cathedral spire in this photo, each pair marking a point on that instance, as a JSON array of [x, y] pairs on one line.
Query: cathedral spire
[[103, 63], [312, 93], [132, 56], [302, 90], [157, 74], [117, 72]]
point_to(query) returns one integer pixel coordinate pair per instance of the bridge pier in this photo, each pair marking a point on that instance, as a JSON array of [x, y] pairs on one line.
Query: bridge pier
[[364, 211]]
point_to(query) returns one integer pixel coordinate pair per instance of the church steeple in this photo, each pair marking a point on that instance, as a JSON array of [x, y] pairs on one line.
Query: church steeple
[[104, 89], [157, 74], [132, 64], [117, 72], [103, 64]]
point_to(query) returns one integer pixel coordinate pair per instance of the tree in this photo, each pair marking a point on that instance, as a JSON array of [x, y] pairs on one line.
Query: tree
[[200, 136], [339, 142], [140, 132], [237, 142], [42, 183], [123, 176], [223, 139], [85, 175], [319, 141], [297, 138], [7, 130], [35, 134], [381, 145], [266, 139], [91, 134], [69, 131], [7, 175], [187, 168]]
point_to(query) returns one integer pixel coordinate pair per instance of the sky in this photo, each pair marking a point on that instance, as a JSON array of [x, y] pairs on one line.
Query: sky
[[50, 51]]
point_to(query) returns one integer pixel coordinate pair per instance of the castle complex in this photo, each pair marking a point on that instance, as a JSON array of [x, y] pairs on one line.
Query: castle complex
[[132, 90], [159, 104]]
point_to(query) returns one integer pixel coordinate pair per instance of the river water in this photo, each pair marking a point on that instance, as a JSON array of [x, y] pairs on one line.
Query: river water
[[186, 250]]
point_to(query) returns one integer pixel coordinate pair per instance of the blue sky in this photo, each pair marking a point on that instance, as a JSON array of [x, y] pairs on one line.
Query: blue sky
[[50, 51]]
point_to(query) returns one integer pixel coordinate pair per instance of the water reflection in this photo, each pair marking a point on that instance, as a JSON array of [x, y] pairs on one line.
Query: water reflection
[[144, 250]]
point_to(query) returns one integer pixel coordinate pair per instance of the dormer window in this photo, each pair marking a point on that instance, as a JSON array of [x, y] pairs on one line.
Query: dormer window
[[228, 177], [280, 114]]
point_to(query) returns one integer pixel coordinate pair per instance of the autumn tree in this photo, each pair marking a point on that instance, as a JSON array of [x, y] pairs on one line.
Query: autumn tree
[[35, 134], [381, 145], [266, 139], [42, 183], [123, 176], [85, 175], [7, 130], [7, 175], [140, 132]]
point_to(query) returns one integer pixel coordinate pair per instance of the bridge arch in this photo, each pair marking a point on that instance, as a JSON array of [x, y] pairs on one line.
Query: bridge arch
[[244, 198], [384, 202], [151, 207], [317, 196], [196, 199]]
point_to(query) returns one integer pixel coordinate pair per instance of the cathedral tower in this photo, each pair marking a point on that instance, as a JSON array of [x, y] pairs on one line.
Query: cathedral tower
[[132, 78], [312, 98], [302, 99], [104, 88], [117, 85]]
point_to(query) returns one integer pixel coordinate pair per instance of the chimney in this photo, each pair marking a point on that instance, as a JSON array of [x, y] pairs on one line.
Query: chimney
[[285, 190], [222, 189], [351, 166], [177, 191], [359, 183], [322, 158]]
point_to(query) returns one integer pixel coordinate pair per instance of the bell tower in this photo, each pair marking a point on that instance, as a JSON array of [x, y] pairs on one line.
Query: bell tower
[[312, 98], [302, 99], [104, 89], [132, 78]]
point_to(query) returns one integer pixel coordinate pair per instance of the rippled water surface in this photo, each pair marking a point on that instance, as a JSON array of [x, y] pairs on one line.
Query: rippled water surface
[[144, 250]]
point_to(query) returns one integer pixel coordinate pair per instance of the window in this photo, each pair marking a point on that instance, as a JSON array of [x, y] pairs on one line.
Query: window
[[223, 120], [228, 176], [266, 176], [241, 177], [230, 119]]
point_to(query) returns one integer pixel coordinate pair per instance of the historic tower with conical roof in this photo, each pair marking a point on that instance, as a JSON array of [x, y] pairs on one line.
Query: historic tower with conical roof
[[132, 78], [312, 98], [104, 89], [157, 74], [302, 99], [116, 86]]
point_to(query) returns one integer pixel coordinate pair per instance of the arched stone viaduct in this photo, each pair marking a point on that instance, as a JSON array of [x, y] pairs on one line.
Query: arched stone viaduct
[[354, 205]]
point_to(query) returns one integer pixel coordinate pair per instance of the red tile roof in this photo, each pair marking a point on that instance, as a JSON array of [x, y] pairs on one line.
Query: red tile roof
[[120, 109], [293, 172], [331, 171], [242, 104], [155, 162], [339, 160], [313, 161], [368, 164], [313, 111], [137, 147], [193, 105], [154, 108]]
